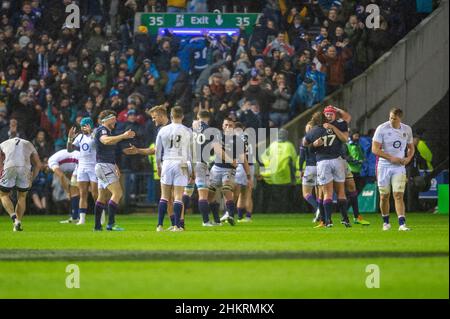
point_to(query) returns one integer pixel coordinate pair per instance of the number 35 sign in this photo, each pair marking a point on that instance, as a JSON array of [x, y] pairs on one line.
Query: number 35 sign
[[155, 21]]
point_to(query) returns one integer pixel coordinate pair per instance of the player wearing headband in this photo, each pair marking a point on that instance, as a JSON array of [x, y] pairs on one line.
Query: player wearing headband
[[106, 169], [328, 141], [84, 143]]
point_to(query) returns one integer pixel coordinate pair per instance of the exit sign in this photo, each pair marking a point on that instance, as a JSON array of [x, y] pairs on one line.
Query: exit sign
[[156, 21]]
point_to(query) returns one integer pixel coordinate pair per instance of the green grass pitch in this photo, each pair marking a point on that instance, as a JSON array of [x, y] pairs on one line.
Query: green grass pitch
[[276, 256]]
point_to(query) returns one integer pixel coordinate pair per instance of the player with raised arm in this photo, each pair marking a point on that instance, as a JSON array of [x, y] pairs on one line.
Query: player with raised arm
[[328, 140], [393, 145], [18, 157], [64, 166], [173, 153], [84, 143], [106, 169]]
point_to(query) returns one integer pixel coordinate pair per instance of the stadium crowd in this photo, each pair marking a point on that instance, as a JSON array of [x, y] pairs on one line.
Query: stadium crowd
[[53, 75]]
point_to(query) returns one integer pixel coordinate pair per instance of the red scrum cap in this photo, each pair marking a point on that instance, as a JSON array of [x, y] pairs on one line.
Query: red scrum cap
[[330, 109]]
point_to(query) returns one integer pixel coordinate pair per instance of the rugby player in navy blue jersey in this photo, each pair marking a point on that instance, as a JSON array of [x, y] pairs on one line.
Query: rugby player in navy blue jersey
[[308, 174], [243, 193], [201, 169], [106, 169], [328, 140], [223, 172]]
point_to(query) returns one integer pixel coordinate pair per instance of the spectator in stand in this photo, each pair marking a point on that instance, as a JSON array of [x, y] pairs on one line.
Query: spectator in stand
[[304, 98], [41, 188], [3, 116], [295, 29], [154, 6], [279, 114], [379, 41], [279, 43], [177, 90], [254, 91], [176, 6], [206, 101], [229, 101], [25, 112], [216, 84], [357, 35], [127, 11], [11, 131], [98, 77], [163, 53], [250, 115], [263, 30], [333, 63], [287, 70], [96, 37], [43, 147], [61, 117], [124, 117], [369, 165], [130, 164]]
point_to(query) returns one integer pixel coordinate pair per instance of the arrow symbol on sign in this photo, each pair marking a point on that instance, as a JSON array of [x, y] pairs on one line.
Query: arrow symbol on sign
[[219, 20]]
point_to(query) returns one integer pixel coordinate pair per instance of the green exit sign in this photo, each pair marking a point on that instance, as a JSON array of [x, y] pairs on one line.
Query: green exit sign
[[194, 21]]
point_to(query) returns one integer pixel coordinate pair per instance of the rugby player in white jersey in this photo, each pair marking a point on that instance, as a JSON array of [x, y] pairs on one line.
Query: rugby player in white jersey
[[17, 158], [85, 144], [393, 145], [160, 119], [173, 153], [64, 167]]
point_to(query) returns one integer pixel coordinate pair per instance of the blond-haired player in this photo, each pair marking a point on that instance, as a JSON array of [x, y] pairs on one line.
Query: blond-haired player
[[394, 147]]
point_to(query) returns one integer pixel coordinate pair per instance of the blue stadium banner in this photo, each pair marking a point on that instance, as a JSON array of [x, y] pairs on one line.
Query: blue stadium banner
[[432, 193]]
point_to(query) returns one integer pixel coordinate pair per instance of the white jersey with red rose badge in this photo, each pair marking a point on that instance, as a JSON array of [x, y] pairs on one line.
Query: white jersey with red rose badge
[[393, 141], [66, 161]]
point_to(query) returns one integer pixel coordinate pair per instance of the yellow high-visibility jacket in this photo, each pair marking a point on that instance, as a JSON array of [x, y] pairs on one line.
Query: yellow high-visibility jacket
[[278, 160], [152, 160]]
